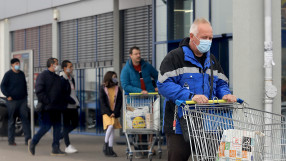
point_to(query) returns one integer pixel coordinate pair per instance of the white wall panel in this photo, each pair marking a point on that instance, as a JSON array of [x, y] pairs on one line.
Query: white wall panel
[[62, 2], [15, 7], [85, 9], [11, 8], [31, 20], [248, 52], [34, 5], [202, 9], [222, 16]]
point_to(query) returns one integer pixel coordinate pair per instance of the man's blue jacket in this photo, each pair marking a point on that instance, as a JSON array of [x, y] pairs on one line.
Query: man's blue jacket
[[182, 76], [130, 78]]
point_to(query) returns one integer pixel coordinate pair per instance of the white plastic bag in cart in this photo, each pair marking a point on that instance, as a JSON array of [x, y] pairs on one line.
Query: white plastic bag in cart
[[156, 114], [236, 145], [136, 116]]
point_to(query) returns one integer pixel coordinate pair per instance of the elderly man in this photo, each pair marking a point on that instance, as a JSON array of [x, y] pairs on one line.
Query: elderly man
[[185, 74]]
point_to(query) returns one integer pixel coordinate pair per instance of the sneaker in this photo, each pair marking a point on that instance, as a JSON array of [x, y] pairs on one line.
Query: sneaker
[[58, 152], [70, 149], [31, 147]]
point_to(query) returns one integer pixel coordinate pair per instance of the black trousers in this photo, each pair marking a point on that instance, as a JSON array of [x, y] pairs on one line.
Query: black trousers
[[178, 148], [70, 122], [206, 146]]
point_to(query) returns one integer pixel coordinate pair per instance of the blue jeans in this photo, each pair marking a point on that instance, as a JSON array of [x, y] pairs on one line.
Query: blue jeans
[[18, 108], [47, 120]]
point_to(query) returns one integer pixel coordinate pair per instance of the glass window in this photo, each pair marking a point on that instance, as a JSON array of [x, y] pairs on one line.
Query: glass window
[[88, 83], [161, 52], [161, 20], [221, 16], [180, 16]]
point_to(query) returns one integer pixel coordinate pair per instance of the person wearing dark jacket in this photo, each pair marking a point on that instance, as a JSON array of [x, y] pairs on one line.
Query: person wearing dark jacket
[[14, 87], [185, 74], [70, 114], [110, 105], [52, 94]]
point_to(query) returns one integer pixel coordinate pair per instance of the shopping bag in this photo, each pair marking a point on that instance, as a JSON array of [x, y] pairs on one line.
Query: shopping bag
[[236, 145]]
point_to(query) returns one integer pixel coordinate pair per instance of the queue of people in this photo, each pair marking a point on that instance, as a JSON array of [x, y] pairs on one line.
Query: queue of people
[[184, 74]]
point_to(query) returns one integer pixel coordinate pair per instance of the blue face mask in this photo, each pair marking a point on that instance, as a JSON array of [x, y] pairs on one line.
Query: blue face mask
[[204, 45], [115, 80], [16, 67]]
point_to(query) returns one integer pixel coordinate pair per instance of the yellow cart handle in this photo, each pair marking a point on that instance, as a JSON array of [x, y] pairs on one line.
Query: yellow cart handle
[[179, 102], [138, 94], [209, 102]]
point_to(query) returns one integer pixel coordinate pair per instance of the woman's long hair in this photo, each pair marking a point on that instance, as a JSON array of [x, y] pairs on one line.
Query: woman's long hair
[[107, 80]]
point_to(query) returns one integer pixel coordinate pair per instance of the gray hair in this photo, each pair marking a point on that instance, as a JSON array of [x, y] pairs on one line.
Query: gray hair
[[194, 26]]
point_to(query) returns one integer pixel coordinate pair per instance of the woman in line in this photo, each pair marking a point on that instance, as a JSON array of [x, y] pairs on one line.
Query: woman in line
[[111, 104]]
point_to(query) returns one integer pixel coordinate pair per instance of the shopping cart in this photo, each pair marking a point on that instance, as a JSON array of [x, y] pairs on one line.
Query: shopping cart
[[141, 115], [231, 131]]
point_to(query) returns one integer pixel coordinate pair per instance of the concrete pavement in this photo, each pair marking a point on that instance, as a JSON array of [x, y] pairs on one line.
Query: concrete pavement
[[90, 149]]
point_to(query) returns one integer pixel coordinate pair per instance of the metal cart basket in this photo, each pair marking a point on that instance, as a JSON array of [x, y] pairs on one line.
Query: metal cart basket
[[232, 131], [141, 115]]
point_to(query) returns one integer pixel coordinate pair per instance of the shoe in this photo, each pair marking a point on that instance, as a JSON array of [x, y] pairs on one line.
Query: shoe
[[104, 149], [57, 152], [110, 152], [12, 144], [139, 155], [70, 149], [31, 147]]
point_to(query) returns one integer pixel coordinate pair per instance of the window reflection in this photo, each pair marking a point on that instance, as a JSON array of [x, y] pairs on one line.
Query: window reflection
[[180, 16]]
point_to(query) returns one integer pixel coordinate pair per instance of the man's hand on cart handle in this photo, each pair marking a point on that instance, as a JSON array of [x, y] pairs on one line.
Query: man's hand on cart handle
[[229, 98], [200, 99], [144, 92], [112, 115]]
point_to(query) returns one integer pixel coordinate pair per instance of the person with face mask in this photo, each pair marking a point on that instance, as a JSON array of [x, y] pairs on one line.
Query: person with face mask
[[70, 113], [14, 87], [52, 94], [190, 72], [110, 105]]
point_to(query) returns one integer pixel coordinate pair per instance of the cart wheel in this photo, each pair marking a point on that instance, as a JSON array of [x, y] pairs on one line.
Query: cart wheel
[[160, 154], [130, 157], [150, 155], [127, 152]]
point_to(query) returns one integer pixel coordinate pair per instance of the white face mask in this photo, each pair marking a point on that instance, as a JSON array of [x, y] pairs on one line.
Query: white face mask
[[57, 68], [68, 70]]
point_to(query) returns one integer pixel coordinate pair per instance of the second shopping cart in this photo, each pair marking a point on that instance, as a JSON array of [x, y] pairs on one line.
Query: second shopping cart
[[141, 116]]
